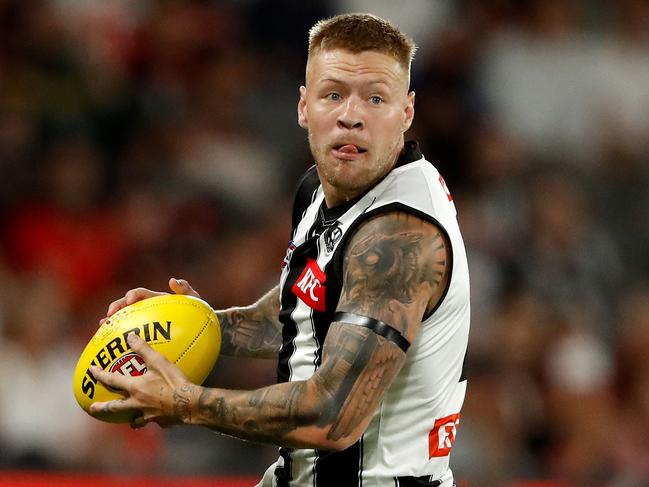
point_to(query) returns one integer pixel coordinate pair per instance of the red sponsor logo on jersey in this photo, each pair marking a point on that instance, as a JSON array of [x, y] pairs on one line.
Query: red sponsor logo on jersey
[[442, 436], [445, 188], [310, 287], [130, 364]]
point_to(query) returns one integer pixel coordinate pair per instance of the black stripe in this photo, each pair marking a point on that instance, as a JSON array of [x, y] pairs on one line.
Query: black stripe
[[288, 303], [283, 474], [360, 464], [322, 320], [424, 481], [339, 469], [288, 300], [463, 371], [377, 326]]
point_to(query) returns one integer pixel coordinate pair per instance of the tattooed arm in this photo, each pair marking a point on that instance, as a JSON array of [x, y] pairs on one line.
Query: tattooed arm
[[252, 331], [395, 268]]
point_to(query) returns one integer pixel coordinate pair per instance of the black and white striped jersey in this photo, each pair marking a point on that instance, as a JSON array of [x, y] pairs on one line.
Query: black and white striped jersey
[[409, 439]]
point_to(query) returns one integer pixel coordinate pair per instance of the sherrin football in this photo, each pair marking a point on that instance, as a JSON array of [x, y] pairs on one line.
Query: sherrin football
[[184, 329]]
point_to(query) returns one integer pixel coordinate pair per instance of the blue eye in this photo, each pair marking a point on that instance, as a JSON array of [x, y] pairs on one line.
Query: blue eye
[[333, 96], [376, 100]]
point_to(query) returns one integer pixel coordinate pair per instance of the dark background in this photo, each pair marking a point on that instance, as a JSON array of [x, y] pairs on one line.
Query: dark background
[[145, 139]]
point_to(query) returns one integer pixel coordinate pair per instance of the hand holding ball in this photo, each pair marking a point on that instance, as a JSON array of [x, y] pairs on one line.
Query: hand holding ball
[[184, 329]]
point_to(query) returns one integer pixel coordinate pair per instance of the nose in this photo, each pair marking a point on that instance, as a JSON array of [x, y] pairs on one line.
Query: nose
[[350, 118]]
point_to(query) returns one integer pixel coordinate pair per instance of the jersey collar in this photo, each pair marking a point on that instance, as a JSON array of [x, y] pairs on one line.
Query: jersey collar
[[410, 153]]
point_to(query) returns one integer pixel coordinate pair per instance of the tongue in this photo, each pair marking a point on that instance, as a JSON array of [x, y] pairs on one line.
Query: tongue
[[349, 149]]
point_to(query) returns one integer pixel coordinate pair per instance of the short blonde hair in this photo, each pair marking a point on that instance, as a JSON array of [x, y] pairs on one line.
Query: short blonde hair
[[362, 32]]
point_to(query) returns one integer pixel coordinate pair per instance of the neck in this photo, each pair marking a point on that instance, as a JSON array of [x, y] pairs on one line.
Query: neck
[[336, 196]]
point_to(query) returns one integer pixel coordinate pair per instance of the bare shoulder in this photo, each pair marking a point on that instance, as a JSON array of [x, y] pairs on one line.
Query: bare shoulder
[[395, 268]]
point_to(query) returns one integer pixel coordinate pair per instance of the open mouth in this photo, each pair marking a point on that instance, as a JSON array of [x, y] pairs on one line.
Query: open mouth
[[350, 149]]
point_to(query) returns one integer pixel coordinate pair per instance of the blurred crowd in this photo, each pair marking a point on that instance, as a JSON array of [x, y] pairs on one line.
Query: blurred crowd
[[141, 140]]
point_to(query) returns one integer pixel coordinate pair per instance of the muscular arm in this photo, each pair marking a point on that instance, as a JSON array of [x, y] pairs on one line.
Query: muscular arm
[[252, 331], [395, 267]]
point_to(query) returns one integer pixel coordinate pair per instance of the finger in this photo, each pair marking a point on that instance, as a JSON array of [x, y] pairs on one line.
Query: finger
[[110, 379], [181, 286], [115, 406], [138, 345], [115, 306], [131, 296], [138, 294]]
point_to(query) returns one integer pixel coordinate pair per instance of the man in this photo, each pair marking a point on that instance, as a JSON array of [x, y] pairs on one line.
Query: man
[[370, 319]]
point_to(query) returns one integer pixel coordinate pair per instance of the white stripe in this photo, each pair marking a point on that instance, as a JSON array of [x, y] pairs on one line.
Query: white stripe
[[302, 362]]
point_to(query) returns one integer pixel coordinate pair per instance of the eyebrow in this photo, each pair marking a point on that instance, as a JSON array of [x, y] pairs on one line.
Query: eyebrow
[[341, 82], [332, 80]]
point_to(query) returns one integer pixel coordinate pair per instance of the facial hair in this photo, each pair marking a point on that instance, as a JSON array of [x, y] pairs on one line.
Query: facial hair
[[377, 168]]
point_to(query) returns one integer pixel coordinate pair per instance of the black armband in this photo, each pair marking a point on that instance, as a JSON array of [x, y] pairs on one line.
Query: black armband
[[379, 327]]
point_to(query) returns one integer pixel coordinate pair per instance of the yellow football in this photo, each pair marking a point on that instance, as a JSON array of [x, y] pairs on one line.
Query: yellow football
[[184, 329]]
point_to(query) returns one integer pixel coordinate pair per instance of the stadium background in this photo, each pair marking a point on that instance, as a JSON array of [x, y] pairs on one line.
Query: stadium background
[[146, 139]]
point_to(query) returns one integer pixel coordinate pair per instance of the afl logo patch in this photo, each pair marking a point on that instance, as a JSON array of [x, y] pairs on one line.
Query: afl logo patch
[[130, 364], [289, 253], [310, 286], [331, 235]]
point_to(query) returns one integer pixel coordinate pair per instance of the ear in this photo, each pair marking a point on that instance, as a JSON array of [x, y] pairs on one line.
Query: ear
[[302, 118], [409, 112]]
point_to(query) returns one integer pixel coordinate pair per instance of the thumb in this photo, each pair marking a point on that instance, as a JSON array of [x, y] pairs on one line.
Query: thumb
[[180, 286]]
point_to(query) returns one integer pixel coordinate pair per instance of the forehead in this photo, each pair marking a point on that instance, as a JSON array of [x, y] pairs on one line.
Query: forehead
[[349, 66]]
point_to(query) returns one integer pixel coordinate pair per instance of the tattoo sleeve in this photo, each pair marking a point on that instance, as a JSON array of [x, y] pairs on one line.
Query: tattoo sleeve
[[253, 331], [395, 268]]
